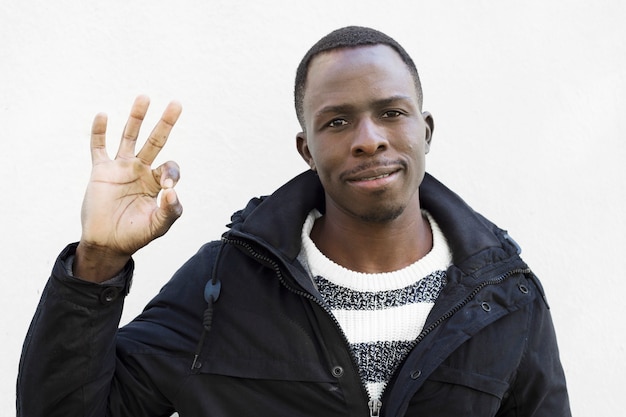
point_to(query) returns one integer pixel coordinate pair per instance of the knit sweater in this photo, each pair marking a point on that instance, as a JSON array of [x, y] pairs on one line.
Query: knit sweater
[[381, 314]]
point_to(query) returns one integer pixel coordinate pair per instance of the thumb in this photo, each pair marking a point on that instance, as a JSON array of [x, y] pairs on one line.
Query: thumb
[[168, 212]]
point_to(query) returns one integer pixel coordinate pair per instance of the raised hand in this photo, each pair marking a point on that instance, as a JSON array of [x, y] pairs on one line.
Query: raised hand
[[120, 212]]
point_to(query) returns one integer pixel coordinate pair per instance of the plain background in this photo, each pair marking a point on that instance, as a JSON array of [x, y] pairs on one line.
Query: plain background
[[528, 99]]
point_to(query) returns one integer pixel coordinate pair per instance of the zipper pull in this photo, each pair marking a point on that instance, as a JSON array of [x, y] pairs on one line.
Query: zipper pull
[[375, 406]]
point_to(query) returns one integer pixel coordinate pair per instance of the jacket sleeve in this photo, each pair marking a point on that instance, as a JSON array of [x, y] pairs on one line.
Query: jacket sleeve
[[68, 358], [539, 389]]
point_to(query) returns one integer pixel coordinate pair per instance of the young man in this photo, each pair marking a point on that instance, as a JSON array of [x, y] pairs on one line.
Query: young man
[[361, 287]]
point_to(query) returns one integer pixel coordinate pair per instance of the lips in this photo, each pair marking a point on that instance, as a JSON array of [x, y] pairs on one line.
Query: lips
[[372, 173], [377, 177], [373, 178]]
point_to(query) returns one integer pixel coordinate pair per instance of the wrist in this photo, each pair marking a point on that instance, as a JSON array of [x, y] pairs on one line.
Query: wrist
[[96, 263]]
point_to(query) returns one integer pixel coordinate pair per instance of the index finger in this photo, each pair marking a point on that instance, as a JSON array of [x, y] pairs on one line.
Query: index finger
[[160, 133]]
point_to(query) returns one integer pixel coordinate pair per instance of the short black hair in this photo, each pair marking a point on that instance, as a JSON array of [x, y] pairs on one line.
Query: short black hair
[[348, 37]]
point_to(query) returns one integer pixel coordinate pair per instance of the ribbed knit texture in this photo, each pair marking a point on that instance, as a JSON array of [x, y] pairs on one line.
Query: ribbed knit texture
[[381, 314]]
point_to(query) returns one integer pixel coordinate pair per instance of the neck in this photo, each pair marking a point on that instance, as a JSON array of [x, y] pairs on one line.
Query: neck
[[373, 247]]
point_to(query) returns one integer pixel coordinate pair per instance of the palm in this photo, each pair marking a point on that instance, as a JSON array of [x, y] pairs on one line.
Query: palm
[[120, 205]]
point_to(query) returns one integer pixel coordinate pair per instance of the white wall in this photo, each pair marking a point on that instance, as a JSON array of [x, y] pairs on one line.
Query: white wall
[[528, 99]]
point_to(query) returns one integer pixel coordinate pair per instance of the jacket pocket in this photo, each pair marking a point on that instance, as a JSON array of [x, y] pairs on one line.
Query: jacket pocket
[[459, 393], [478, 382]]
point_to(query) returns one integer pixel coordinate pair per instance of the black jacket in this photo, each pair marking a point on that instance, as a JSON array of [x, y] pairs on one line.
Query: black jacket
[[268, 346]]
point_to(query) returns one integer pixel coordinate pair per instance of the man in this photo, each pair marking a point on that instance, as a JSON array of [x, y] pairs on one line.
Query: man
[[361, 287]]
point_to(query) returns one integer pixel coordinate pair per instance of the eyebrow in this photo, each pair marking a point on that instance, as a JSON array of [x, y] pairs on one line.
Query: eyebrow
[[346, 108]]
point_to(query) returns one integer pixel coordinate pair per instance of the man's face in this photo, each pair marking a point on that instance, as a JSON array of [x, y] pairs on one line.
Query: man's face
[[365, 134]]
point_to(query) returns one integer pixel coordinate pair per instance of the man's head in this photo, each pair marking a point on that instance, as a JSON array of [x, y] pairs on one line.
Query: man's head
[[348, 37], [364, 132]]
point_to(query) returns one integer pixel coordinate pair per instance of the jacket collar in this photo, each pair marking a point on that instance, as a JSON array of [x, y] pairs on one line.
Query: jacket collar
[[277, 220]]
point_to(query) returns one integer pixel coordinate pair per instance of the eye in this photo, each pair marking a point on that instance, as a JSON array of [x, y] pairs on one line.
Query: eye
[[389, 114], [337, 123]]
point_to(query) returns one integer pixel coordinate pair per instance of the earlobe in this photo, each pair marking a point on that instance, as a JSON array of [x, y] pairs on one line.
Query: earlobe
[[303, 150]]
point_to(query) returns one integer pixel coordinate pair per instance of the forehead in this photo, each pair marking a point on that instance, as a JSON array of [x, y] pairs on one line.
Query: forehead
[[358, 73]]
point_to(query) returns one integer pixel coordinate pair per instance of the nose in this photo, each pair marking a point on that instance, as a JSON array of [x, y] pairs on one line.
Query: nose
[[369, 139]]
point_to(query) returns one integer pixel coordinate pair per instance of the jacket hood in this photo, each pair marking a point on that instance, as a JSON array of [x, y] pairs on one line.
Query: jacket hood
[[277, 220]]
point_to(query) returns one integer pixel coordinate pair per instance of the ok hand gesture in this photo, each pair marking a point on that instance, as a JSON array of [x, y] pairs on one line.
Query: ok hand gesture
[[120, 212]]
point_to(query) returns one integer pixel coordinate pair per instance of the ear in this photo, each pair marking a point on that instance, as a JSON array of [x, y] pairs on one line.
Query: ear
[[430, 127], [303, 150]]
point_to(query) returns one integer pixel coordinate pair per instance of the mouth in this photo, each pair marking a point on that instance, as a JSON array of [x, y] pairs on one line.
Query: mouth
[[373, 172], [371, 178]]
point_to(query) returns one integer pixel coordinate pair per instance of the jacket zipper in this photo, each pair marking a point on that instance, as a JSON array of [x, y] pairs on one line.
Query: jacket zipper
[[374, 405], [494, 281]]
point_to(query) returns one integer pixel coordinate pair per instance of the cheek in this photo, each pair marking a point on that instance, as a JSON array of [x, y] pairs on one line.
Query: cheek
[[417, 146], [327, 157]]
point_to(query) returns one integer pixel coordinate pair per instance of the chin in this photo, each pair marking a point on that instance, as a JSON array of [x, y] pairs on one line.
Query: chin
[[382, 215]]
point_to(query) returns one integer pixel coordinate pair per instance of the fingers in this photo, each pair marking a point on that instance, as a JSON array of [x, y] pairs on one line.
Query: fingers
[[138, 111], [168, 212], [98, 139], [169, 209], [167, 174], [160, 133], [131, 130]]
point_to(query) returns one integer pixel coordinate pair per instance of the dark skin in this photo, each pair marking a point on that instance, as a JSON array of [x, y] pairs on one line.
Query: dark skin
[[120, 213], [365, 136]]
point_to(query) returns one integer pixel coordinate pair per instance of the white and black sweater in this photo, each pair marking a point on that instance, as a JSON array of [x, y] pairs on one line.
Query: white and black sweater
[[381, 314]]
